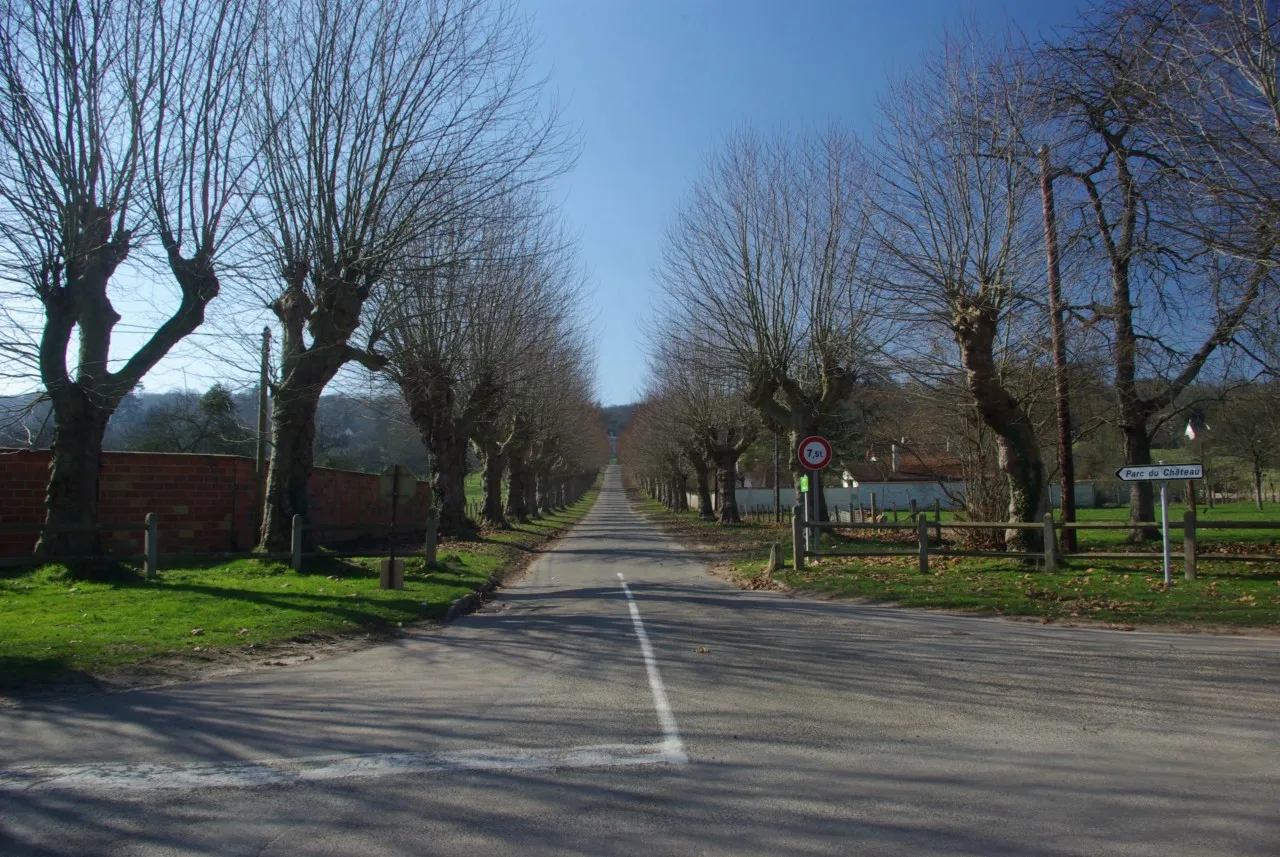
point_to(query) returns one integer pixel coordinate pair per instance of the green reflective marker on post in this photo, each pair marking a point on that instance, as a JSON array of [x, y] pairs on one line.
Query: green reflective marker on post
[[804, 484]]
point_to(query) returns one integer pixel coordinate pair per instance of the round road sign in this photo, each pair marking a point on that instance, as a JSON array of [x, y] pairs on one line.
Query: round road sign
[[815, 452]]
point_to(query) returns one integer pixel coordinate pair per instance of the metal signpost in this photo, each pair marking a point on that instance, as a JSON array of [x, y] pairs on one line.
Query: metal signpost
[[1161, 473], [815, 455]]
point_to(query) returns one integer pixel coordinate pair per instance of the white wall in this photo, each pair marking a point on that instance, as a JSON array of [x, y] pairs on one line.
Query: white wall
[[887, 494]]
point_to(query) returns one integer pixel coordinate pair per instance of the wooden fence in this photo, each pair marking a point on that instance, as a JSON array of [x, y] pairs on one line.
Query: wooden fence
[[929, 544]]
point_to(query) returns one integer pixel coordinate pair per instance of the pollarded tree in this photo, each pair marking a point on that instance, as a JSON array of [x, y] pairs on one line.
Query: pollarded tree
[[121, 123], [653, 458], [382, 121], [466, 323], [536, 395], [770, 255], [705, 413], [960, 238]]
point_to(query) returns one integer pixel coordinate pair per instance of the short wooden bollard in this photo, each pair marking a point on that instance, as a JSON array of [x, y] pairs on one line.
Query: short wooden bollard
[[391, 574], [429, 549], [151, 546], [797, 538], [295, 544], [922, 532], [1189, 545]]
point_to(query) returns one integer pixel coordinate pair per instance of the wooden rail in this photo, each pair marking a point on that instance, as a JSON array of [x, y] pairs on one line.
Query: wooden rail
[[1050, 556]]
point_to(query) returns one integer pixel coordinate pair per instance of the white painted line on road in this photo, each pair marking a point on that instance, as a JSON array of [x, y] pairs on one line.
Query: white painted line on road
[[320, 768], [670, 734]]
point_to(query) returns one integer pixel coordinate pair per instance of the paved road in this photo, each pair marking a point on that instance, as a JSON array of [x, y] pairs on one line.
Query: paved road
[[540, 728]]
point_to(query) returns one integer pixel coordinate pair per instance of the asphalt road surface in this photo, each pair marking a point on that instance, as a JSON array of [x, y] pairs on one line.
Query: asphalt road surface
[[579, 717]]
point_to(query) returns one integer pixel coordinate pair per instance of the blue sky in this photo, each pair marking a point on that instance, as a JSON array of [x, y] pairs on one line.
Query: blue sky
[[651, 87]]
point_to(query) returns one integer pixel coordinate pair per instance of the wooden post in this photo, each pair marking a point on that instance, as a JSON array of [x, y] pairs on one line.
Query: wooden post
[[151, 545], [429, 549], [873, 507], [1050, 545], [922, 533], [914, 509], [797, 537], [895, 512], [1189, 545], [295, 544]]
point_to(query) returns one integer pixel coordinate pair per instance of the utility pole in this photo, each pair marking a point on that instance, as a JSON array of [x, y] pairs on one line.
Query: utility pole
[[1066, 462], [260, 455]]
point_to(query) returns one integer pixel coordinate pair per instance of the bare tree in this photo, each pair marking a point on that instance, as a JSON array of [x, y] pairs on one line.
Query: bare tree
[[474, 319], [705, 415], [119, 121], [382, 121], [1116, 85], [1248, 424], [769, 256], [958, 233]]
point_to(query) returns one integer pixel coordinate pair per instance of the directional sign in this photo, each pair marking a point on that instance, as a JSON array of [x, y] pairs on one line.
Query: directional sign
[[397, 481], [1159, 472], [815, 452]]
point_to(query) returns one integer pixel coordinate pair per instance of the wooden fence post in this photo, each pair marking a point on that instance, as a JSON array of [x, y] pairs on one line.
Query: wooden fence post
[[797, 537], [151, 545], [429, 549], [922, 533], [295, 544], [1189, 545], [1050, 545]]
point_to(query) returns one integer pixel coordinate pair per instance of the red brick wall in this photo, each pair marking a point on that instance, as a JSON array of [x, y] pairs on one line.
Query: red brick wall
[[204, 503]]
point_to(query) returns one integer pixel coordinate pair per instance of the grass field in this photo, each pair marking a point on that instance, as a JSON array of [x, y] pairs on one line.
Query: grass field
[[51, 625], [474, 487], [1127, 592]]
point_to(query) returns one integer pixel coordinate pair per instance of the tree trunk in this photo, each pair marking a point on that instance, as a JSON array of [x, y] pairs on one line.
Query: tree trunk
[[702, 478], [680, 485], [1257, 486], [75, 466], [449, 455], [518, 474], [304, 372], [546, 492], [494, 462], [726, 474], [1019, 450], [531, 493], [293, 435]]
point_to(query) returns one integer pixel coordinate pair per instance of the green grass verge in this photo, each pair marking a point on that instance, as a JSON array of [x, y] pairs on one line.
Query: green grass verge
[[51, 625], [1235, 594]]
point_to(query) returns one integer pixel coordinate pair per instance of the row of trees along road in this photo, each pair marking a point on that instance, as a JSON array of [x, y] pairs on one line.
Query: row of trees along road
[[366, 169], [1102, 203]]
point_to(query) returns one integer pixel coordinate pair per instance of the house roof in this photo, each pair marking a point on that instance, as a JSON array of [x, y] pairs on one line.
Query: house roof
[[912, 467]]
